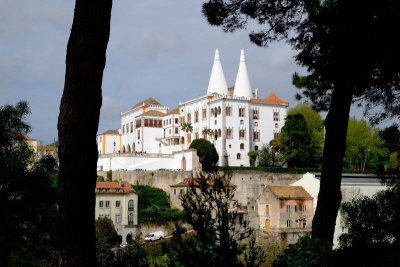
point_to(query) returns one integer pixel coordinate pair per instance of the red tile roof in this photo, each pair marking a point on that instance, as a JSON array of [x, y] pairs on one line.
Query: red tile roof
[[290, 192], [115, 185], [272, 99]]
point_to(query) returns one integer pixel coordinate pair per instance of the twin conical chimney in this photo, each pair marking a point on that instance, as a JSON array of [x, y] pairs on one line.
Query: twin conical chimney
[[242, 84], [217, 82]]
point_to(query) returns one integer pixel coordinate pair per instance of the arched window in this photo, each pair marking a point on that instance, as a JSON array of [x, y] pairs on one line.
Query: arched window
[[130, 205], [130, 219], [256, 148], [219, 110], [238, 156], [129, 148], [241, 146]]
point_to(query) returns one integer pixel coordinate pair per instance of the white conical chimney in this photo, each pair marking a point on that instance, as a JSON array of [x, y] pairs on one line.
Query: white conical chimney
[[242, 84], [217, 82]]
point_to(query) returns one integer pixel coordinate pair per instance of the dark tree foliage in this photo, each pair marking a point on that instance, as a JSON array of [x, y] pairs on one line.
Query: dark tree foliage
[[27, 194], [212, 211], [106, 238], [254, 256], [77, 128], [207, 153], [351, 53], [294, 142], [391, 136], [134, 254]]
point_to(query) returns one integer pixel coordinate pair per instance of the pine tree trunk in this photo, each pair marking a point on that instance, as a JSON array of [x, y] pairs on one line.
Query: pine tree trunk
[[77, 128], [330, 196]]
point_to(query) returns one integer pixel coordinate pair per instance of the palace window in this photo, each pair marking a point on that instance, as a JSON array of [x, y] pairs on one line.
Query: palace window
[[241, 146], [146, 122], [176, 121], [123, 129], [228, 133], [256, 148], [196, 116], [196, 135], [241, 122], [276, 115], [242, 134], [228, 111], [276, 135], [127, 128], [151, 123], [256, 136], [219, 110], [255, 114], [276, 125], [238, 156], [241, 112], [204, 114], [176, 130], [189, 118], [189, 138], [138, 123]]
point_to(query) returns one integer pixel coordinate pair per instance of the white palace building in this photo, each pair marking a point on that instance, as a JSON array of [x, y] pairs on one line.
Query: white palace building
[[234, 119]]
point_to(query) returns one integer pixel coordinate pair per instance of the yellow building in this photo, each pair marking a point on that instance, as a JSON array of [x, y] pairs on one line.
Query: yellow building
[[117, 201]]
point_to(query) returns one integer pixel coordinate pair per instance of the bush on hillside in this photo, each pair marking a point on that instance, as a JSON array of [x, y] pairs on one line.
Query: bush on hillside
[[207, 154]]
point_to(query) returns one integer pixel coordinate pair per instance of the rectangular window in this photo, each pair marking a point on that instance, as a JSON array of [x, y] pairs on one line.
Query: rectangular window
[[176, 130], [176, 121], [204, 114], [196, 116], [101, 204], [138, 123], [117, 204], [296, 208], [256, 136], [131, 126], [255, 114], [159, 123], [276, 115], [238, 156], [242, 134], [146, 123], [107, 204], [150, 123], [228, 111], [228, 133], [117, 218], [288, 208], [304, 208], [288, 223], [241, 112], [189, 118]]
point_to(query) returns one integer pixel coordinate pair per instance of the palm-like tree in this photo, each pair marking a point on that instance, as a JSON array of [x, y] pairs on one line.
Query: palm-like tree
[[187, 127], [207, 131]]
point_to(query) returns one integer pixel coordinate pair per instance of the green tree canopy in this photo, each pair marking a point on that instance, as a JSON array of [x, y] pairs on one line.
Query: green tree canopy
[[294, 142], [207, 153], [364, 147], [312, 117], [27, 194], [106, 238]]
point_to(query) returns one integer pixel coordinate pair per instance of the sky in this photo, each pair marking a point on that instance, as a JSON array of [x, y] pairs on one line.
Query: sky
[[160, 49]]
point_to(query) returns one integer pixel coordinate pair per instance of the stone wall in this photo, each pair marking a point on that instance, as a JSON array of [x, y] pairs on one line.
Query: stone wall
[[249, 183]]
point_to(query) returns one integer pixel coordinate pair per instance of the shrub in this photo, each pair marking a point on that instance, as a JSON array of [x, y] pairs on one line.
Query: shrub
[[109, 175], [306, 252]]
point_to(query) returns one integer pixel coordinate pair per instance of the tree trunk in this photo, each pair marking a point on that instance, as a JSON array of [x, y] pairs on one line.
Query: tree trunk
[[77, 128], [329, 196]]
